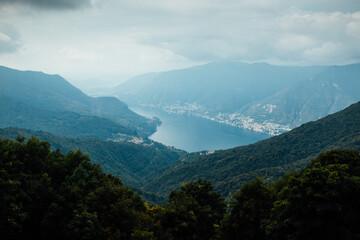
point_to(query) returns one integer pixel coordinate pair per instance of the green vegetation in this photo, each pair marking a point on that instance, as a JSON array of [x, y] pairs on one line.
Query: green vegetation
[[46, 194], [131, 162], [249, 211], [269, 159], [319, 202], [193, 212]]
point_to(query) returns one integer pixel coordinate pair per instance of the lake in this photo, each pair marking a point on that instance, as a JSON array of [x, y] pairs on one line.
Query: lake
[[193, 134]]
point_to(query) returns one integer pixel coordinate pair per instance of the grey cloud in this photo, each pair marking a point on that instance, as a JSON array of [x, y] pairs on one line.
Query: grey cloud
[[291, 36], [50, 4], [9, 39], [7, 46], [330, 5], [157, 33]]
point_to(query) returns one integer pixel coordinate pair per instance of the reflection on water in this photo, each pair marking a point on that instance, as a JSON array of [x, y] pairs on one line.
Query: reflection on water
[[196, 134]]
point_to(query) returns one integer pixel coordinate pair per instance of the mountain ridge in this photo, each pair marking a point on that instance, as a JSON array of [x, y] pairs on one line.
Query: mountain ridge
[[194, 80], [259, 97], [54, 93], [270, 158], [18, 114], [331, 90]]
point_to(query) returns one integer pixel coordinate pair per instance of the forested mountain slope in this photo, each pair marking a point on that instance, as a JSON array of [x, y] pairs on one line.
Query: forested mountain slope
[[269, 159], [129, 161], [46, 194], [49, 195], [54, 93], [69, 124]]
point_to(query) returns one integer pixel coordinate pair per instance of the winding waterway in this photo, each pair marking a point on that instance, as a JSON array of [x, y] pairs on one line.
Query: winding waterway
[[192, 134]]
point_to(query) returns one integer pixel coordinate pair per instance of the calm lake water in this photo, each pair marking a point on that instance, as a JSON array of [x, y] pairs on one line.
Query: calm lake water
[[192, 134]]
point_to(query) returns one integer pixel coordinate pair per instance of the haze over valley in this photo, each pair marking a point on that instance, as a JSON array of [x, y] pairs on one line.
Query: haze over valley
[[258, 97]]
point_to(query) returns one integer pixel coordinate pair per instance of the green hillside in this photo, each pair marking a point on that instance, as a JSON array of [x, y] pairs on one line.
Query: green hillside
[[54, 93], [269, 159], [129, 161], [48, 195], [18, 114]]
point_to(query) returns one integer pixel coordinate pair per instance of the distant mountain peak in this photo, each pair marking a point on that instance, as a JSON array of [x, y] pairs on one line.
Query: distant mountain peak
[[229, 88]]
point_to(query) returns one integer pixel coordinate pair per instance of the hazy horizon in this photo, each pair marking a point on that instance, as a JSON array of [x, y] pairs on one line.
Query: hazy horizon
[[103, 42]]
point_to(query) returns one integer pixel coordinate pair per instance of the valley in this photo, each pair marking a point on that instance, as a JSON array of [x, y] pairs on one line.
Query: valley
[[269, 159], [259, 97], [99, 157], [192, 133], [179, 120], [251, 120]]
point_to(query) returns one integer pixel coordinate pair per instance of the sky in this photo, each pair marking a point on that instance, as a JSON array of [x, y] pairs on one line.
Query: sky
[[100, 42]]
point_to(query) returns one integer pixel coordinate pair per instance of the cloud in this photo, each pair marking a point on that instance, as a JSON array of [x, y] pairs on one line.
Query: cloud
[[49, 4], [78, 54], [9, 39], [329, 5], [131, 37], [252, 31], [6, 44]]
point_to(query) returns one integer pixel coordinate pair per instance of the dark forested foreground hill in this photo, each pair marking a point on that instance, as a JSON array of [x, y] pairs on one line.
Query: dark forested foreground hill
[[50, 195], [54, 93], [269, 159], [129, 161]]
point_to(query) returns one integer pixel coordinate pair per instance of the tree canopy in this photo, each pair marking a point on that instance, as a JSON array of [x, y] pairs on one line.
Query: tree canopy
[[46, 194], [322, 201]]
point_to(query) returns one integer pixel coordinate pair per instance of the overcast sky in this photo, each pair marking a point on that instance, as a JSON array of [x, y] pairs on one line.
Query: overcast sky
[[102, 41]]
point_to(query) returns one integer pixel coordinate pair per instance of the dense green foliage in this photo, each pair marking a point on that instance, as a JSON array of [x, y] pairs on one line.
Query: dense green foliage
[[249, 211], [321, 202], [46, 194], [129, 161], [270, 159], [193, 212]]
